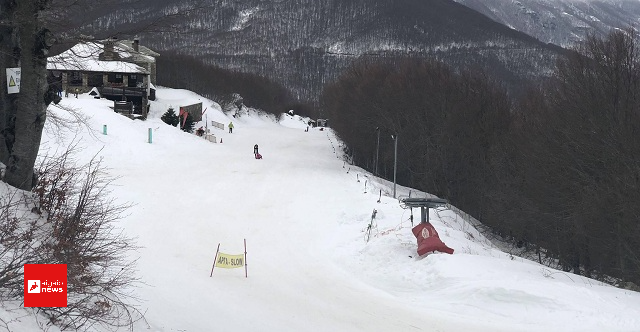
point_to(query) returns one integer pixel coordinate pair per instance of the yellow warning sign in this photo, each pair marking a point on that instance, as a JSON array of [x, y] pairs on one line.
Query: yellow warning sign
[[12, 82], [229, 261]]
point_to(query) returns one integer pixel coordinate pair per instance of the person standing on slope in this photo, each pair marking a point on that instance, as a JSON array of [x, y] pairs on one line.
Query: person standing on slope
[[256, 153], [230, 127]]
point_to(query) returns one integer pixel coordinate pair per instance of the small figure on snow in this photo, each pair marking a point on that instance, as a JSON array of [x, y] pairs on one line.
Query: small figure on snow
[[230, 127], [256, 153]]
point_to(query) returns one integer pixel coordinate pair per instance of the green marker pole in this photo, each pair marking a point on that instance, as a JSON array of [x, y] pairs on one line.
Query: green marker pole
[[150, 135], [104, 129]]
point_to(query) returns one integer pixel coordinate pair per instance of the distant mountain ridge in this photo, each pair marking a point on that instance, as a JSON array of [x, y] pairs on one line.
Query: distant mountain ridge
[[305, 44], [561, 22]]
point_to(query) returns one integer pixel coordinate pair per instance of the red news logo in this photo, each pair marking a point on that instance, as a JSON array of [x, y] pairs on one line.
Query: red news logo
[[45, 285]]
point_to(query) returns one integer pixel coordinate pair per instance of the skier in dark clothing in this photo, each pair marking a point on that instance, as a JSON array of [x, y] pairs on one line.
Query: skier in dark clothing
[[256, 153]]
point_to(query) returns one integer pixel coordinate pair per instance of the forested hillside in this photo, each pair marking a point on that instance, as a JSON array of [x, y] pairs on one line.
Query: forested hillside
[[305, 44], [231, 89], [555, 172], [561, 22]]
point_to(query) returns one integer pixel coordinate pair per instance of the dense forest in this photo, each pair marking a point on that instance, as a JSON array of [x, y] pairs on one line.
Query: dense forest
[[555, 171], [303, 45], [230, 89]]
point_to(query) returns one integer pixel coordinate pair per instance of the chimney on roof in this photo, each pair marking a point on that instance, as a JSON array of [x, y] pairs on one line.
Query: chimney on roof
[[136, 45], [108, 54]]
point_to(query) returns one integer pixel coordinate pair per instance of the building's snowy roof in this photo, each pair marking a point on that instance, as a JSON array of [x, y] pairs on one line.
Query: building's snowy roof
[[84, 57], [143, 52]]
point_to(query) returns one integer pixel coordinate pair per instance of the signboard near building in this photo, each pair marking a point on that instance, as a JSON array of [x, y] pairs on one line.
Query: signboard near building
[[194, 110], [217, 124], [13, 80]]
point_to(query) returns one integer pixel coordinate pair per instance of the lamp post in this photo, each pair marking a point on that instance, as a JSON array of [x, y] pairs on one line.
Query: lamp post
[[377, 149], [395, 162]]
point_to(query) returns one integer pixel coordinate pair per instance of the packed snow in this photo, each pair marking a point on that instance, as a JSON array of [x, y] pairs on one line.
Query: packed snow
[[303, 212]]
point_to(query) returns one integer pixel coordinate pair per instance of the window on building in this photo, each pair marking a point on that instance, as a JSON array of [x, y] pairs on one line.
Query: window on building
[[95, 80], [75, 78], [115, 78], [132, 80]]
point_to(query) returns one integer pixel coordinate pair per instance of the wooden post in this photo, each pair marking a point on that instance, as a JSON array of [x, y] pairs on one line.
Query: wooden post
[[245, 259], [214, 260]]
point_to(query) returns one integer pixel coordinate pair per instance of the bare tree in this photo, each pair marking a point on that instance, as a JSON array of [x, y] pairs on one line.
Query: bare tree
[[578, 161], [72, 221], [24, 114], [448, 123]]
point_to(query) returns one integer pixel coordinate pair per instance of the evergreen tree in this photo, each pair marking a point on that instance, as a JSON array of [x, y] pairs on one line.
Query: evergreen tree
[[189, 124], [170, 118]]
